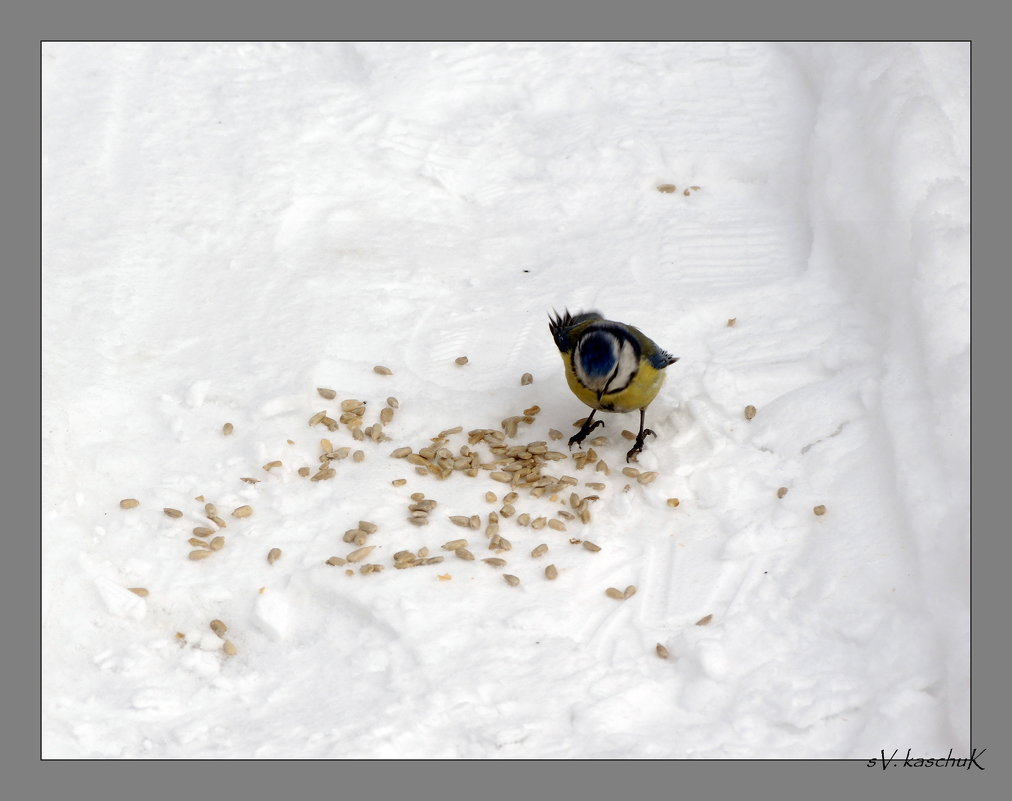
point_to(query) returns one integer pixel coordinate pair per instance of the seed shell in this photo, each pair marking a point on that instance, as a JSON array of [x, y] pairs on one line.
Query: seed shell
[[781, 492], [618, 595], [673, 502], [218, 627], [273, 555], [461, 360], [819, 510], [229, 648], [381, 370], [200, 554], [513, 581], [329, 394], [551, 572], [141, 591], [539, 550], [129, 503], [749, 412], [526, 379], [172, 512], [662, 652], [242, 511], [591, 546], [360, 553], [703, 621]]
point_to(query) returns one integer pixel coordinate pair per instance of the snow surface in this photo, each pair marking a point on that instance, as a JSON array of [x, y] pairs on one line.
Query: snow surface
[[228, 227]]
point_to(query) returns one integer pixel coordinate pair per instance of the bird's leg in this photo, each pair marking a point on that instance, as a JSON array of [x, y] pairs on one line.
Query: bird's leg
[[638, 445], [588, 425]]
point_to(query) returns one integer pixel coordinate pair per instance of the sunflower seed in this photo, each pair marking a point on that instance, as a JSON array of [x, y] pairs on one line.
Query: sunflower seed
[[218, 627], [324, 474], [566, 515], [551, 572], [329, 394], [491, 497], [227, 429], [618, 595], [386, 414], [505, 478], [317, 418], [354, 535], [647, 477], [229, 648], [749, 412], [172, 512], [632, 472], [460, 520], [602, 467], [630, 591], [200, 554], [423, 506], [662, 652], [538, 522], [507, 510], [591, 546], [463, 553], [370, 568], [335, 561], [554, 434], [303, 471], [250, 480], [217, 543], [703, 621], [129, 503], [495, 561], [358, 456], [731, 321], [270, 465], [393, 403], [360, 553], [351, 405], [433, 560], [419, 521], [540, 550], [673, 502], [399, 482], [526, 379], [453, 545], [819, 510], [381, 370], [203, 531], [513, 581], [558, 525], [666, 188], [780, 494], [474, 521], [197, 543], [460, 360], [524, 519]]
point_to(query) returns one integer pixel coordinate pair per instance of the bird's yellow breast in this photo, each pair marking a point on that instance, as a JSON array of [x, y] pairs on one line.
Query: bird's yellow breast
[[638, 395]]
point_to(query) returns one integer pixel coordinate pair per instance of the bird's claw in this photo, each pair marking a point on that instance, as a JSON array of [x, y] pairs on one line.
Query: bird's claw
[[583, 433], [637, 447]]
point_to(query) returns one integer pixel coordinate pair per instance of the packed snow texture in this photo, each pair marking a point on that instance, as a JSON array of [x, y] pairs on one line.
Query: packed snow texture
[[228, 227]]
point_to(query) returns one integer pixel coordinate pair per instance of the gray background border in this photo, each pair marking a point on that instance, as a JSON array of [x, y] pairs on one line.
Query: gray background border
[[26, 777]]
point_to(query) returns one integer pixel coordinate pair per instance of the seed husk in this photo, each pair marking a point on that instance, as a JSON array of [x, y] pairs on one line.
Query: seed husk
[[329, 394], [273, 555], [460, 520], [399, 482], [463, 553], [554, 433], [358, 456], [335, 561], [538, 522], [461, 360], [731, 321], [666, 188], [453, 545], [512, 580], [433, 560], [662, 652], [781, 492], [703, 621], [591, 546], [324, 473], [242, 511], [602, 467], [819, 510], [474, 521], [539, 550], [249, 480], [304, 471], [379, 369], [647, 477], [673, 502], [197, 543], [566, 515], [218, 627], [632, 472], [393, 403], [203, 531], [617, 594], [227, 429], [491, 497], [551, 572], [558, 525], [141, 591], [386, 414], [129, 503], [354, 535], [317, 418], [360, 553], [419, 521], [217, 543], [630, 591], [229, 648], [526, 379], [749, 412], [368, 527], [351, 405], [270, 465], [495, 561], [199, 554], [172, 512], [524, 519]]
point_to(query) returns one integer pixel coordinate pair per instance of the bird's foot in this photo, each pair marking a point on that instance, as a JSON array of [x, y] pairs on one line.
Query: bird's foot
[[637, 447], [584, 432]]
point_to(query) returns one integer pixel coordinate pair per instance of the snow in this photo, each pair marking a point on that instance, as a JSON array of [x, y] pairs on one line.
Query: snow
[[228, 227]]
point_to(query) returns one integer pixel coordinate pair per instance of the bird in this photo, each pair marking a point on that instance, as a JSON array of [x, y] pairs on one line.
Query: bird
[[611, 367]]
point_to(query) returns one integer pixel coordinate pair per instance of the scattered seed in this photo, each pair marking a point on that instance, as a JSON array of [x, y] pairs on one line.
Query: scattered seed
[[335, 561], [199, 554], [273, 555], [433, 560], [524, 519], [141, 591], [526, 379], [129, 503], [172, 512], [242, 511], [453, 545], [749, 412], [495, 561], [360, 553], [381, 370], [819, 510], [618, 595], [399, 482], [367, 527], [355, 535], [229, 648], [646, 478], [538, 522], [554, 434], [731, 321], [666, 188], [602, 467], [317, 418], [462, 360], [491, 497], [632, 472], [507, 510], [251, 480], [460, 520], [505, 478], [219, 628], [418, 521], [227, 429], [703, 621], [591, 546], [463, 553], [217, 543], [781, 492], [558, 525], [329, 394], [197, 543], [270, 465], [423, 552], [386, 415], [203, 531], [540, 550], [324, 473], [662, 652], [551, 572], [513, 581], [474, 521], [628, 434], [303, 471], [358, 456], [630, 591], [566, 515], [686, 192]]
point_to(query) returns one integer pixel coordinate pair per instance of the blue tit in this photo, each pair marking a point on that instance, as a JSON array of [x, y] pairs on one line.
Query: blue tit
[[610, 366]]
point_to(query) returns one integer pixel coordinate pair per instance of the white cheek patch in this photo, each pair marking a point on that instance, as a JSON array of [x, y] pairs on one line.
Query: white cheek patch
[[625, 371]]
